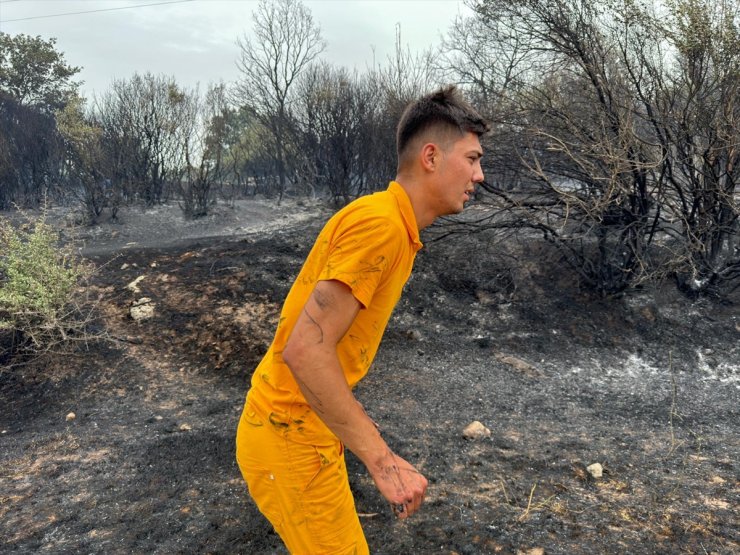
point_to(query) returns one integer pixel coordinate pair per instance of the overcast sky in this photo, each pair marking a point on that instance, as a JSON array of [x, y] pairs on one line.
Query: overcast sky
[[195, 40]]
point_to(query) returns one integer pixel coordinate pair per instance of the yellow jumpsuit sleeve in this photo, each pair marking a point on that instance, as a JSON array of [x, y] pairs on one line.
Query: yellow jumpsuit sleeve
[[361, 255]]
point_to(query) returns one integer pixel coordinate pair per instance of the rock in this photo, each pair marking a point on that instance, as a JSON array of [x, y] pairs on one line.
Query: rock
[[476, 430], [74, 219], [70, 416], [483, 341], [413, 335], [143, 309], [595, 470], [648, 313], [185, 427], [533, 551], [124, 266], [519, 364], [486, 298], [134, 285]]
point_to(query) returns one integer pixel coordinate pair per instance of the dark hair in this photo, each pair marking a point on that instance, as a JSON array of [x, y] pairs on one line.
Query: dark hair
[[445, 109]]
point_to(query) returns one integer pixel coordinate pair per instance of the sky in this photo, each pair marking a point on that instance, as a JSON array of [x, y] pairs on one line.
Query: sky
[[195, 40]]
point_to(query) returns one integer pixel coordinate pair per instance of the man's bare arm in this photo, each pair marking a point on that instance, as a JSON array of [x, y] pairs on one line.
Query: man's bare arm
[[311, 355]]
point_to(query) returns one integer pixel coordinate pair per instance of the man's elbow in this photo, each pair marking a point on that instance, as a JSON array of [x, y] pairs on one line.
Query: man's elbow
[[303, 358], [294, 354]]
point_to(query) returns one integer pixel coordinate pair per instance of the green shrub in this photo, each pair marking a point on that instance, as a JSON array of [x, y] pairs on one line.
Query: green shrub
[[38, 281]]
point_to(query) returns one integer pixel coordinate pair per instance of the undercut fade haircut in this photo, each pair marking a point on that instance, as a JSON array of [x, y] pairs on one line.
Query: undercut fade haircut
[[443, 112]]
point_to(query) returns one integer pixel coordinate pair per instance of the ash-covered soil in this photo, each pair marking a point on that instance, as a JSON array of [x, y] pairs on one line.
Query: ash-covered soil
[[489, 330]]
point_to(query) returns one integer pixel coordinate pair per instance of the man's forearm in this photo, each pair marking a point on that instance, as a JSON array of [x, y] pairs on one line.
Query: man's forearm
[[321, 380]]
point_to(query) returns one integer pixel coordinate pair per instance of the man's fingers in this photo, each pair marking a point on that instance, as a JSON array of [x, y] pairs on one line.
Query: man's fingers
[[416, 494], [411, 504]]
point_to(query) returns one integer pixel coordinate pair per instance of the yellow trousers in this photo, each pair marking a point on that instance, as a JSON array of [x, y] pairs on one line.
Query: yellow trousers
[[303, 490]]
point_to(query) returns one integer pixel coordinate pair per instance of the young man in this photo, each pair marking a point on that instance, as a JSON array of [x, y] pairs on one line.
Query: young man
[[300, 411]]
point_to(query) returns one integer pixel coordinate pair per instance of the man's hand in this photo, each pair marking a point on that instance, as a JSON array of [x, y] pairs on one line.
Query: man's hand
[[400, 483]]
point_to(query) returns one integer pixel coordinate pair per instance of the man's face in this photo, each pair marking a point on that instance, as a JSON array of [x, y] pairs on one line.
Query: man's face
[[459, 171]]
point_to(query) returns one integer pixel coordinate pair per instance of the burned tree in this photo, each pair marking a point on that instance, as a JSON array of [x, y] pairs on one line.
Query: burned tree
[[141, 119], [621, 149], [202, 147], [583, 171], [84, 174], [693, 110], [35, 82], [286, 40], [337, 113]]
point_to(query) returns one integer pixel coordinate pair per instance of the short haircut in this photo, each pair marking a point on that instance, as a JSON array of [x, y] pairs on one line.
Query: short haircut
[[444, 112]]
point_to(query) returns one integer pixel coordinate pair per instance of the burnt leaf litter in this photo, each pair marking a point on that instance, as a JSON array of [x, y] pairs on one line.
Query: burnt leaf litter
[[488, 330]]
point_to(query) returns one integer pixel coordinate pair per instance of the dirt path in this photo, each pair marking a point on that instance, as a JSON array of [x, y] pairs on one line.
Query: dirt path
[[647, 387]]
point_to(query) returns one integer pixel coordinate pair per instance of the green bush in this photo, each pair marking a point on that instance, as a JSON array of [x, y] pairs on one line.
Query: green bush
[[38, 280]]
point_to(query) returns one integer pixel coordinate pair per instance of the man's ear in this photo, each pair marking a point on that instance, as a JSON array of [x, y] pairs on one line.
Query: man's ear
[[430, 157]]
